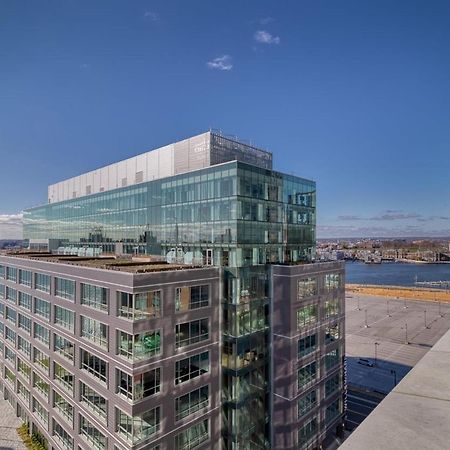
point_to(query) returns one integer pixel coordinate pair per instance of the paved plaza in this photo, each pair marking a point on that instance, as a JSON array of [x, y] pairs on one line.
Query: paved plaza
[[9, 439], [378, 328]]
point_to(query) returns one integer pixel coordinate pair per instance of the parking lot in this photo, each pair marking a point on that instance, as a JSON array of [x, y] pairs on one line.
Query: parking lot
[[393, 334]]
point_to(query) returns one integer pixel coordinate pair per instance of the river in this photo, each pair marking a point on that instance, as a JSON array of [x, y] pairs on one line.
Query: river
[[395, 274]]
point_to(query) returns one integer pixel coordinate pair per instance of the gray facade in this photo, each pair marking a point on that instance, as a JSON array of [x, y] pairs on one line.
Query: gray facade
[[99, 397], [308, 348]]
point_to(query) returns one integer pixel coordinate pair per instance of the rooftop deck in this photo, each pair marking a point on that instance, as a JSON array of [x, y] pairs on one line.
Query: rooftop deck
[[135, 265]]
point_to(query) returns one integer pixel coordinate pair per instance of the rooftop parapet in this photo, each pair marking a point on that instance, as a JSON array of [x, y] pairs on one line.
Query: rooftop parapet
[[416, 413]]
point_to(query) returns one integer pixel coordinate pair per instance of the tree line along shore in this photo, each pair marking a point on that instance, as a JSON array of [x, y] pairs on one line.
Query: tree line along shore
[[400, 292]]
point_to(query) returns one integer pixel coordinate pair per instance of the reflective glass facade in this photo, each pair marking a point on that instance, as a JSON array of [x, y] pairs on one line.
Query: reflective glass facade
[[234, 215], [243, 214]]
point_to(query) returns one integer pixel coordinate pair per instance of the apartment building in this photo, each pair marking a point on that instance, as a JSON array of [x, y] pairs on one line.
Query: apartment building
[[212, 205], [308, 354], [110, 355]]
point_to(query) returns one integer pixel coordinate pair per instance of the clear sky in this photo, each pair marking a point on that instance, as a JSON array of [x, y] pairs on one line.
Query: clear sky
[[354, 94]]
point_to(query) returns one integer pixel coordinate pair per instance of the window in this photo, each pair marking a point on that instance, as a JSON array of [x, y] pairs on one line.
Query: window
[[23, 392], [25, 300], [63, 407], [307, 345], [92, 434], [192, 367], [25, 277], [11, 294], [42, 282], [63, 346], [2, 271], [145, 305], [331, 333], [189, 333], [332, 385], [9, 376], [23, 413], [62, 436], [307, 432], [333, 411], [65, 318], [191, 402], [332, 281], [193, 436], [306, 316], [138, 428], [41, 359], [140, 346], [8, 396], [332, 359], [65, 288], [63, 377], [42, 308], [94, 365], [139, 386], [11, 315], [42, 334], [24, 369], [306, 288], [2, 290], [331, 308], [40, 412], [10, 335], [307, 403], [11, 274], [307, 374], [24, 346], [41, 385], [94, 296], [10, 356], [94, 331], [191, 297], [24, 323], [94, 401]]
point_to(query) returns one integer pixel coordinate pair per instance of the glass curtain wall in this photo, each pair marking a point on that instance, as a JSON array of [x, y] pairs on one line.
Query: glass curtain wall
[[234, 215], [244, 214]]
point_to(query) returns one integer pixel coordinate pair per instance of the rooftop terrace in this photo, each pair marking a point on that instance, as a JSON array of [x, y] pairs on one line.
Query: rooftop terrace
[[135, 265]]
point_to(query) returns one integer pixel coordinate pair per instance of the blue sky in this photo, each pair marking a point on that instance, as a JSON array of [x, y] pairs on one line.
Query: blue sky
[[354, 94]]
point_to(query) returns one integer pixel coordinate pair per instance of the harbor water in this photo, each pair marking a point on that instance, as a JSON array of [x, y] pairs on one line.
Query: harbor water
[[395, 273]]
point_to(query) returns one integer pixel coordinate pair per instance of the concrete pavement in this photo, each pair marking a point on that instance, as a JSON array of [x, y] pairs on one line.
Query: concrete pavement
[[9, 439], [390, 325]]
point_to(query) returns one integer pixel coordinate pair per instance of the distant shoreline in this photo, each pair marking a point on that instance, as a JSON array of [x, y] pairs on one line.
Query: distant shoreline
[[415, 293]]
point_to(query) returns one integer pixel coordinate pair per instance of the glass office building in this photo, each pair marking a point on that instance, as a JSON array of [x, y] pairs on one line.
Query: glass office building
[[229, 209], [232, 212]]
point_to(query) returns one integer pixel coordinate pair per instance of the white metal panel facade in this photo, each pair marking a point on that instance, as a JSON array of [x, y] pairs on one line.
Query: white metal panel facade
[[181, 157]]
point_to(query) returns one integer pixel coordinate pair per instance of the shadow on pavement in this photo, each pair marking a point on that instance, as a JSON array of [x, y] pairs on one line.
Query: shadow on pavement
[[377, 376]]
